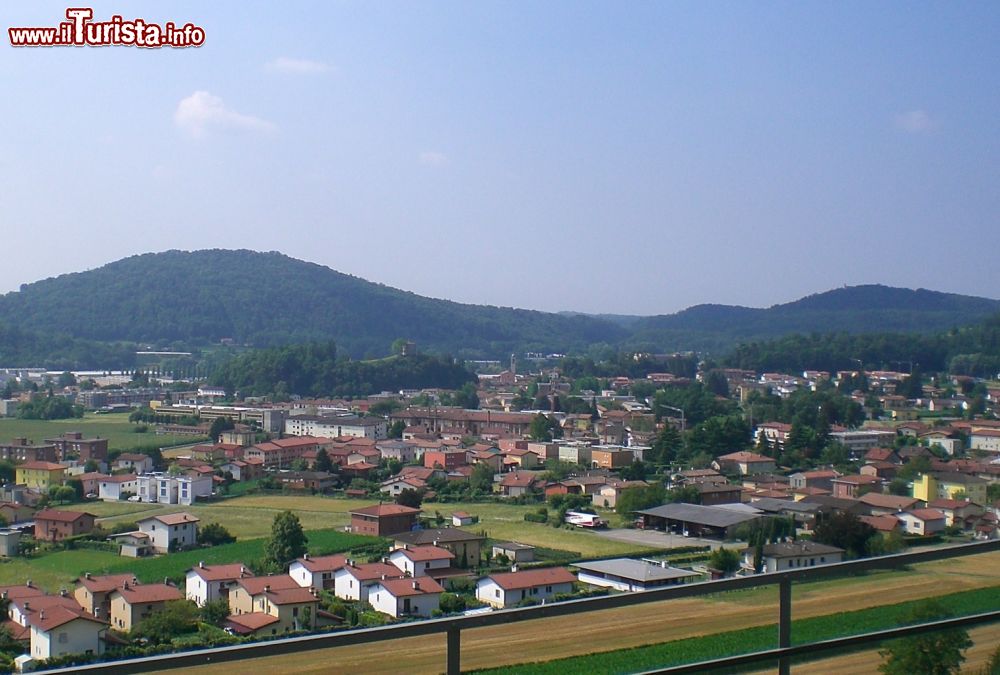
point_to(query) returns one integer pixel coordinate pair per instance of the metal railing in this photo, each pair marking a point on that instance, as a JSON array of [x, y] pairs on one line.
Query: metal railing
[[453, 626]]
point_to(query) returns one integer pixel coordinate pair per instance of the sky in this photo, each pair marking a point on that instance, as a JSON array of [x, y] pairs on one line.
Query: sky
[[632, 158]]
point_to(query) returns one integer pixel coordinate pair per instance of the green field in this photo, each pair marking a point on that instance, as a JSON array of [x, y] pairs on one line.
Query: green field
[[114, 427], [57, 570]]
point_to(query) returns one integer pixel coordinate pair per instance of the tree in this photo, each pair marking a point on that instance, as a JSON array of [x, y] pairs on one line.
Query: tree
[[214, 612], [397, 428], [214, 534], [544, 428], [220, 424], [322, 462], [481, 478], [937, 653], [845, 531], [287, 541], [639, 498], [726, 560], [410, 497], [177, 617]]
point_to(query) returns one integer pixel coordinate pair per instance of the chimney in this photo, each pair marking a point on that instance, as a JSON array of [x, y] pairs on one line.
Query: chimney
[[41, 613], [27, 605], [384, 577], [124, 585], [63, 592], [267, 588], [201, 564], [513, 568], [243, 570], [305, 556], [416, 585], [29, 583], [86, 575]]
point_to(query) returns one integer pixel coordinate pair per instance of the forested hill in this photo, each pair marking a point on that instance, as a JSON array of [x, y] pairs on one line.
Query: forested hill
[[268, 299], [180, 299], [853, 309]]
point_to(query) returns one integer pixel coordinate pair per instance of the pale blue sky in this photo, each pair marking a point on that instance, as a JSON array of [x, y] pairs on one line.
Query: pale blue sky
[[604, 157]]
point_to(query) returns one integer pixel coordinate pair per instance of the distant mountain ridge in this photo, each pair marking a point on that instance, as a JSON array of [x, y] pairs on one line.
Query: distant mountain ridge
[[266, 299]]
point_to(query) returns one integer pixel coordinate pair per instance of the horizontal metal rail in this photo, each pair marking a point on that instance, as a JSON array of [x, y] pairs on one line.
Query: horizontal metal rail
[[452, 626]]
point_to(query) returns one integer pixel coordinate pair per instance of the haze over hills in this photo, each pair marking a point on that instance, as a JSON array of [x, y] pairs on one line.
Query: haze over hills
[[200, 297]]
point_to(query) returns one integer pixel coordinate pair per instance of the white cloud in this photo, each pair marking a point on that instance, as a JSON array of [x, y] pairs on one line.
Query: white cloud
[[285, 64], [201, 112], [430, 158], [914, 122]]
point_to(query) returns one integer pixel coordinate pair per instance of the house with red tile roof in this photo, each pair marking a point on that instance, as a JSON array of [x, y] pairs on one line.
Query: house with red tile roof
[[922, 521], [353, 582], [405, 597], [63, 630], [206, 583], [316, 571], [54, 525], [745, 463], [243, 592], [131, 603], [884, 523], [507, 589], [93, 592], [417, 561], [854, 485]]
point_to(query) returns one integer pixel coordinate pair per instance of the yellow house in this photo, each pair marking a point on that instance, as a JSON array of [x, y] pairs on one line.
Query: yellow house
[[39, 475], [929, 487]]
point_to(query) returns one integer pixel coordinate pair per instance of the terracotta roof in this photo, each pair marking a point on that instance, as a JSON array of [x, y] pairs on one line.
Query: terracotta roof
[[529, 578], [148, 593], [857, 479], [372, 571], [948, 504], [131, 457], [53, 617], [444, 535], [886, 523], [221, 572], [105, 583], [248, 623], [291, 596], [425, 553], [119, 478], [21, 591], [61, 516], [173, 518], [255, 585], [888, 501], [41, 466], [926, 514], [744, 456], [380, 510], [326, 563], [411, 586]]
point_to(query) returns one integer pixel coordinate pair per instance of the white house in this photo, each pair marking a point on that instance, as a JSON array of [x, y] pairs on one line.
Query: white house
[[59, 631], [171, 531], [337, 426], [922, 521], [419, 561], [162, 488], [405, 597], [509, 588], [316, 573], [135, 462], [626, 574], [111, 488], [353, 582], [206, 583], [793, 554]]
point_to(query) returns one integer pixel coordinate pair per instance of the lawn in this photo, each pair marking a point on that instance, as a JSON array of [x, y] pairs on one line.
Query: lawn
[[108, 509], [58, 570], [499, 521], [114, 427]]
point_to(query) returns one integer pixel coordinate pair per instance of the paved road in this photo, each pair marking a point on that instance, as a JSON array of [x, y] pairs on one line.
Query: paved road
[[654, 538]]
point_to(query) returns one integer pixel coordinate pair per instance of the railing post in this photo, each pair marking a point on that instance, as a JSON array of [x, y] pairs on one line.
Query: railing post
[[454, 651], [784, 623]]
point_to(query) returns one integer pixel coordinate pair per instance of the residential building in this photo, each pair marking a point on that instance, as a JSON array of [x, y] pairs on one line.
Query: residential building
[[131, 603], [337, 426], [922, 521], [316, 572], [280, 453], [294, 608], [405, 597], [383, 520], [164, 488], [52, 525], [419, 561], [860, 441], [73, 444], [22, 450], [207, 583], [611, 457], [467, 546], [744, 463], [93, 593], [170, 531], [950, 485], [507, 589], [354, 582], [60, 631], [626, 574], [242, 594], [855, 485], [12, 512], [886, 505], [117, 486], [10, 542], [39, 476], [134, 462], [514, 552], [793, 554], [816, 479], [446, 459]]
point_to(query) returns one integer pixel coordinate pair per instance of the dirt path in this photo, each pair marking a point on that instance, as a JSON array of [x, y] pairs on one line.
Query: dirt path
[[644, 624]]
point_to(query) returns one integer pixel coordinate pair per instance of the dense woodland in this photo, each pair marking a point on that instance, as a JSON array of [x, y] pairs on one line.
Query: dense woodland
[[184, 300], [315, 370]]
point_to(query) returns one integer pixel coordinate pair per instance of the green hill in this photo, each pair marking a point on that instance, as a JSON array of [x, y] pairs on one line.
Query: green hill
[[267, 299]]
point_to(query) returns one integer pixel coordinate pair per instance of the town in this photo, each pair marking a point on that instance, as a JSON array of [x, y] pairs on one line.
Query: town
[[549, 479]]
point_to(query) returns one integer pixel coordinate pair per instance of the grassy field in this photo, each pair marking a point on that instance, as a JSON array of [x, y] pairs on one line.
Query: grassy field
[[114, 427], [653, 623], [57, 570], [499, 521]]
